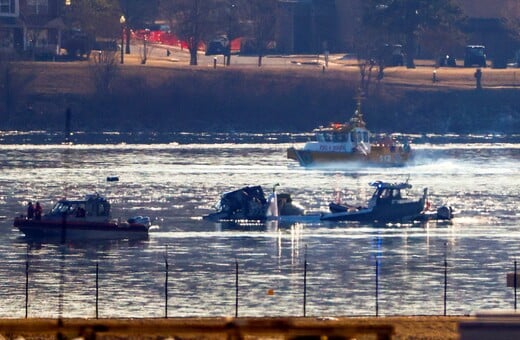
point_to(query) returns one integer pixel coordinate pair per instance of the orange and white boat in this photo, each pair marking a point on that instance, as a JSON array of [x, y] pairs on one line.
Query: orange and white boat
[[350, 142]]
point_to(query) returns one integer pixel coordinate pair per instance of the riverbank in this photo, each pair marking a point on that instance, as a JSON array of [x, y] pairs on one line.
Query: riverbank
[[402, 328], [165, 95]]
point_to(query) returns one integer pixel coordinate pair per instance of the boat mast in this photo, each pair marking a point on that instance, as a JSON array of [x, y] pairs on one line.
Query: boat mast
[[357, 118]]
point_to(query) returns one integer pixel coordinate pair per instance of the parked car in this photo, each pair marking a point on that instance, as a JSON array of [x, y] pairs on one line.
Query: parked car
[[392, 55], [516, 60], [78, 44], [475, 55], [448, 60], [218, 45]]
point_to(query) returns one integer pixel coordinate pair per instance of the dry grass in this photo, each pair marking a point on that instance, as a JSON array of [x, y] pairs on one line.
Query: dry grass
[[416, 328], [76, 78]]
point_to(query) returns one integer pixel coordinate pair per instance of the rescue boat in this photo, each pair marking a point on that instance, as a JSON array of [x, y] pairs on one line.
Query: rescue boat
[[350, 142], [88, 218]]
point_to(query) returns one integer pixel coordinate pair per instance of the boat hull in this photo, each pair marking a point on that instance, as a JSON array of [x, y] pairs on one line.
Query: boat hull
[[80, 230], [393, 212], [378, 156]]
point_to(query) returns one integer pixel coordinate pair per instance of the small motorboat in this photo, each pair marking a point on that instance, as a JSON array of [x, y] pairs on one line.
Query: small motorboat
[[88, 218], [351, 142], [250, 204], [388, 204]]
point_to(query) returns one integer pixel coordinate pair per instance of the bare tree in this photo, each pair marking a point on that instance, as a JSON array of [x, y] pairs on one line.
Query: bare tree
[[192, 21], [367, 43], [104, 70], [511, 18], [406, 20], [95, 17], [261, 16], [231, 18]]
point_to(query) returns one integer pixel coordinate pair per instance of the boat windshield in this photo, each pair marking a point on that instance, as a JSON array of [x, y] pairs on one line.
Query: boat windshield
[[390, 193], [334, 137], [65, 207], [61, 207]]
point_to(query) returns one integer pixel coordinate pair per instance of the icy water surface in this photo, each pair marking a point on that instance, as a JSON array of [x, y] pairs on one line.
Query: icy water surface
[[176, 179]]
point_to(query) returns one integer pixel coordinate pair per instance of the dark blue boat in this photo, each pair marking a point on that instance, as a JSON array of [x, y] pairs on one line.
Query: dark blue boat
[[388, 204]]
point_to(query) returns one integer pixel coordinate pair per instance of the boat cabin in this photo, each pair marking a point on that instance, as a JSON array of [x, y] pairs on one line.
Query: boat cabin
[[337, 134], [387, 192], [92, 206], [351, 136]]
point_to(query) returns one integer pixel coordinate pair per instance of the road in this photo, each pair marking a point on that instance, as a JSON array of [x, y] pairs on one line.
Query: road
[[426, 74]]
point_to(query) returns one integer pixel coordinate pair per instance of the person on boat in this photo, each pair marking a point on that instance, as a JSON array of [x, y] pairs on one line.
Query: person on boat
[[38, 211], [30, 210], [80, 212]]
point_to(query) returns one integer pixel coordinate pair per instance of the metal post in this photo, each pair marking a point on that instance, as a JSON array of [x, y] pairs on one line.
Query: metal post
[[122, 21], [145, 57], [68, 116], [236, 288], [166, 285], [127, 34], [122, 45], [515, 283], [445, 283], [26, 286], [305, 284], [97, 290], [377, 286]]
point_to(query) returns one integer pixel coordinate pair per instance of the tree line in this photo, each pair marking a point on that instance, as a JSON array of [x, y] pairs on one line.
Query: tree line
[[433, 25], [192, 21]]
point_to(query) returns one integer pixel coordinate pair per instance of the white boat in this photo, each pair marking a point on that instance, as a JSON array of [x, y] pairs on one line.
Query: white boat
[[350, 142]]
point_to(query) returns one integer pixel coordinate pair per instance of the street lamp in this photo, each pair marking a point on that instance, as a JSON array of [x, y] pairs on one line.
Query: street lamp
[[122, 21]]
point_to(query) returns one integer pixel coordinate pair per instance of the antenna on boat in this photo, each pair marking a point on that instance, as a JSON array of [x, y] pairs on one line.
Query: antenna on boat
[[357, 118]]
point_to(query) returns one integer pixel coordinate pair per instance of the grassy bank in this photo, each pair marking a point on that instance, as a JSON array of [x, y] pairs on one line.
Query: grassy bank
[[181, 98]]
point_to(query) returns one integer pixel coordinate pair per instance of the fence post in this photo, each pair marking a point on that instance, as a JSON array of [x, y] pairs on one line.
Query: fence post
[[377, 286], [515, 283], [166, 284], [445, 282], [236, 288], [305, 283], [26, 286], [97, 290]]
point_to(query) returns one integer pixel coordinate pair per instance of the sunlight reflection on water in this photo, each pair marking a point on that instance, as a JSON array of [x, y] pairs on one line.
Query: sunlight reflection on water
[[175, 184]]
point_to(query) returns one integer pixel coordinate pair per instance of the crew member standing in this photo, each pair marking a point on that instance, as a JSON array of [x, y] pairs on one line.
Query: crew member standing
[[30, 210], [38, 211]]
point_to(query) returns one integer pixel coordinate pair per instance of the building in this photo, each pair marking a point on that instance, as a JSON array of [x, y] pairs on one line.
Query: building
[[306, 26], [31, 27], [11, 29]]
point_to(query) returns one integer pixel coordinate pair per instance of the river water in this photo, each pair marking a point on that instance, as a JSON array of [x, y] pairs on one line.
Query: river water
[[327, 269]]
